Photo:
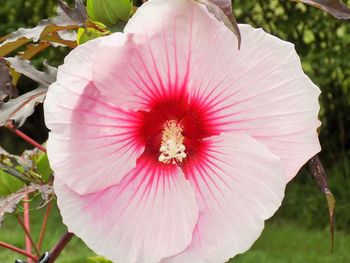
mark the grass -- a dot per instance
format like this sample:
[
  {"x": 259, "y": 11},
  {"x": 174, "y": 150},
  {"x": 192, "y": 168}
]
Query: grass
[
  {"x": 280, "y": 242},
  {"x": 11, "y": 232},
  {"x": 289, "y": 243}
]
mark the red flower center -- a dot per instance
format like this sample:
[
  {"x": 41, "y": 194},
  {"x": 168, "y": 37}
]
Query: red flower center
[{"x": 190, "y": 124}]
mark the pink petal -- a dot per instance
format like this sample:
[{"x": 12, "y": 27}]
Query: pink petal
[
  {"x": 85, "y": 125},
  {"x": 149, "y": 216},
  {"x": 239, "y": 184},
  {"x": 174, "y": 47},
  {"x": 260, "y": 90},
  {"x": 151, "y": 61}
]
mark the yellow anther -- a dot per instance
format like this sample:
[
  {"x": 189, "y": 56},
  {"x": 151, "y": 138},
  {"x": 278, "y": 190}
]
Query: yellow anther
[{"x": 172, "y": 148}]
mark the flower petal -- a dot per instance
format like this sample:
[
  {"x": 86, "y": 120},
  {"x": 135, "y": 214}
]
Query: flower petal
[
  {"x": 239, "y": 184},
  {"x": 149, "y": 216},
  {"x": 151, "y": 61},
  {"x": 175, "y": 47},
  {"x": 261, "y": 90},
  {"x": 84, "y": 125}
]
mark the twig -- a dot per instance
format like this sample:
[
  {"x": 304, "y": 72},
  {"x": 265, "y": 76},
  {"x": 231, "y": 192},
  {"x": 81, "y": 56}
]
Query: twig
[
  {"x": 56, "y": 251},
  {"x": 26, "y": 217},
  {"x": 37, "y": 252},
  {"x": 43, "y": 226},
  {"x": 18, "y": 250},
  {"x": 25, "y": 137}
]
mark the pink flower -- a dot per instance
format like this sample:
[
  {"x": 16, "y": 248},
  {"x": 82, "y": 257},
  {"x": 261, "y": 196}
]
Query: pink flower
[{"x": 171, "y": 145}]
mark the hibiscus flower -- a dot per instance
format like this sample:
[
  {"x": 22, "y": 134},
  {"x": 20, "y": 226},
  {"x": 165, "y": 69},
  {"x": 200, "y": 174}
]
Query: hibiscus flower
[{"x": 171, "y": 145}]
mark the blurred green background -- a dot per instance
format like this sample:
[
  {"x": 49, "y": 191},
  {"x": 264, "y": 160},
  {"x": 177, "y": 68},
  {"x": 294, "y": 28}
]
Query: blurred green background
[{"x": 298, "y": 233}]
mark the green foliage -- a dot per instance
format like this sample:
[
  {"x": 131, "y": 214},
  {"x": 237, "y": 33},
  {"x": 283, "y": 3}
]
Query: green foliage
[
  {"x": 43, "y": 167},
  {"x": 109, "y": 12},
  {"x": 279, "y": 243},
  {"x": 306, "y": 205},
  {"x": 334, "y": 7},
  {"x": 98, "y": 259},
  {"x": 290, "y": 243},
  {"x": 323, "y": 45},
  {"x": 24, "y": 13},
  {"x": 11, "y": 232},
  {"x": 9, "y": 184},
  {"x": 86, "y": 34}
]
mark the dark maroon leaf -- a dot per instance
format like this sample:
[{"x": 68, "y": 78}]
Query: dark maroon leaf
[
  {"x": 7, "y": 90},
  {"x": 19, "y": 109},
  {"x": 320, "y": 176},
  {"x": 26, "y": 68},
  {"x": 33, "y": 49},
  {"x": 222, "y": 10},
  {"x": 225, "y": 5},
  {"x": 9, "y": 203},
  {"x": 334, "y": 7},
  {"x": 77, "y": 14},
  {"x": 35, "y": 33}
]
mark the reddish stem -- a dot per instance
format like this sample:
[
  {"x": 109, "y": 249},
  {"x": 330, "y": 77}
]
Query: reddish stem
[
  {"x": 43, "y": 226},
  {"x": 37, "y": 252},
  {"x": 56, "y": 251},
  {"x": 25, "y": 137},
  {"x": 18, "y": 250},
  {"x": 26, "y": 217}
]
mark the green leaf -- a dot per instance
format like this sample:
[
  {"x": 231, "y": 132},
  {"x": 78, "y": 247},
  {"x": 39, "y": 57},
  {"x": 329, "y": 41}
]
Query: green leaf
[
  {"x": 43, "y": 167},
  {"x": 31, "y": 167},
  {"x": 9, "y": 184},
  {"x": 109, "y": 12},
  {"x": 14, "y": 165},
  {"x": 98, "y": 259},
  {"x": 86, "y": 34},
  {"x": 334, "y": 7},
  {"x": 331, "y": 207}
]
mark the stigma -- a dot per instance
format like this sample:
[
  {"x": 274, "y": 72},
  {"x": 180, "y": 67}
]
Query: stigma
[{"x": 172, "y": 149}]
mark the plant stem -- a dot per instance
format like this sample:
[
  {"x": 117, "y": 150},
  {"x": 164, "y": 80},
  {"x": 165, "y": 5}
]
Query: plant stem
[
  {"x": 26, "y": 217},
  {"x": 18, "y": 250},
  {"x": 25, "y": 137},
  {"x": 37, "y": 252},
  {"x": 43, "y": 226},
  {"x": 57, "y": 249}
]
